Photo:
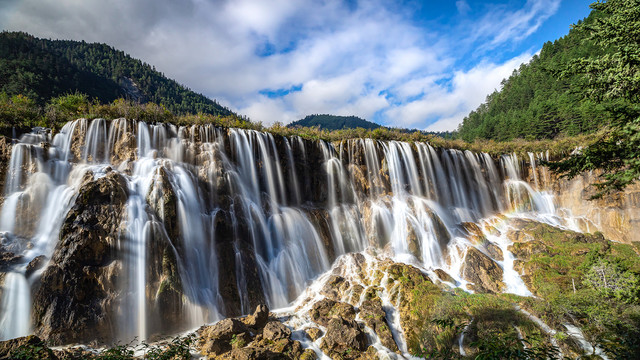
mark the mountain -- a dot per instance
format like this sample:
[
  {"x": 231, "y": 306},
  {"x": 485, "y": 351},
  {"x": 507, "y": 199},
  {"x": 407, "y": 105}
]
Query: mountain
[
  {"x": 334, "y": 122},
  {"x": 42, "y": 69},
  {"x": 540, "y": 100}
]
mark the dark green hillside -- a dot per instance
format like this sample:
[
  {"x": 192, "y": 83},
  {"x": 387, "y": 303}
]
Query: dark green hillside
[
  {"x": 42, "y": 69},
  {"x": 536, "y": 102},
  {"x": 334, "y": 122}
]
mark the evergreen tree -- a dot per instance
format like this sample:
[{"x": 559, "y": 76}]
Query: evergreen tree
[{"x": 612, "y": 79}]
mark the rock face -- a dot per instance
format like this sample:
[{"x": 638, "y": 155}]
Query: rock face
[
  {"x": 616, "y": 215},
  {"x": 5, "y": 156},
  {"x": 483, "y": 272},
  {"x": 75, "y": 298},
  {"x": 374, "y": 316}
]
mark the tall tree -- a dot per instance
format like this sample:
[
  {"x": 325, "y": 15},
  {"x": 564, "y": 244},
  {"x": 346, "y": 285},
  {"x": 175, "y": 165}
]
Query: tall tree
[{"x": 612, "y": 79}]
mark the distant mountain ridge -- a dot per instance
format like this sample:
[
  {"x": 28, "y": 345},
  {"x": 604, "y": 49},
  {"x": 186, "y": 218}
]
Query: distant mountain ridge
[
  {"x": 42, "y": 69},
  {"x": 334, "y": 122}
]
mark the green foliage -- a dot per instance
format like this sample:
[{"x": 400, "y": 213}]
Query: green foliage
[
  {"x": 334, "y": 122},
  {"x": 178, "y": 349},
  {"x": 446, "y": 337},
  {"x": 610, "y": 280},
  {"x": 611, "y": 78},
  {"x": 31, "y": 351},
  {"x": 118, "y": 352},
  {"x": 496, "y": 346}
]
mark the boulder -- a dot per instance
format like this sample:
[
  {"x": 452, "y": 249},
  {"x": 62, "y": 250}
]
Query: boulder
[
  {"x": 258, "y": 319},
  {"x": 275, "y": 330},
  {"x": 344, "y": 339},
  {"x": 326, "y": 309},
  {"x": 27, "y": 347},
  {"x": 314, "y": 333},
  {"x": 483, "y": 272},
  {"x": 221, "y": 337}
]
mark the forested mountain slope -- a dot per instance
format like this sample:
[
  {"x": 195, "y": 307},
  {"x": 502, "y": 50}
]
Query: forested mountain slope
[
  {"x": 42, "y": 69},
  {"x": 334, "y": 122},
  {"x": 539, "y": 101}
]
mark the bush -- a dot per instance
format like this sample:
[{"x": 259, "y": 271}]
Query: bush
[{"x": 610, "y": 280}]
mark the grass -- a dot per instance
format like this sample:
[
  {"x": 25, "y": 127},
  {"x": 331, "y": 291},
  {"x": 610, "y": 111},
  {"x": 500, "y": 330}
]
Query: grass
[{"x": 23, "y": 113}]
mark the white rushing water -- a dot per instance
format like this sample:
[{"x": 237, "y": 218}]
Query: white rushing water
[{"x": 284, "y": 208}]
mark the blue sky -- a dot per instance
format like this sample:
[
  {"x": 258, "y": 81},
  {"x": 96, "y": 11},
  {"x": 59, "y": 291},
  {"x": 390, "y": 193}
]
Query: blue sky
[{"x": 416, "y": 64}]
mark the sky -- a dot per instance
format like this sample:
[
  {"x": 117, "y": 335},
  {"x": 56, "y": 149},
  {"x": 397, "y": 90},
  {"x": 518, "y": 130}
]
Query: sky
[{"x": 413, "y": 64}]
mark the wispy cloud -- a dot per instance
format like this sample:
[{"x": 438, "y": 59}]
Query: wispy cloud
[
  {"x": 463, "y": 7},
  {"x": 280, "y": 60}
]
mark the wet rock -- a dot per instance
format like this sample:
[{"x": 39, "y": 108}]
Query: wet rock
[
  {"x": 220, "y": 337},
  {"x": 286, "y": 348},
  {"x": 324, "y": 310},
  {"x": 444, "y": 276},
  {"x": 8, "y": 260},
  {"x": 258, "y": 319},
  {"x": 125, "y": 147},
  {"x": 373, "y": 315},
  {"x": 483, "y": 272},
  {"x": 494, "y": 251},
  {"x": 249, "y": 353},
  {"x": 344, "y": 339},
  {"x": 308, "y": 354},
  {"x": 335, "y": 288},
  {"x": 314, "y": 333},
  {"x": 226, "y": 246},
  {"x": 27, "y": 347},
  {"x": 474, "y": 233},
  {"x": 370, "y": 354},
  {"x": 413, "y": 242},
  {"x": 36, "y": 264},
  {"x": 320, "y": 217},
  {"x": 275, "y": 330},
  {"x": 5, "y": 157},
  {"x": 76, "y": 296},
  {"x": 356, "y": 291},
  {"x": 162, "y": 199}
]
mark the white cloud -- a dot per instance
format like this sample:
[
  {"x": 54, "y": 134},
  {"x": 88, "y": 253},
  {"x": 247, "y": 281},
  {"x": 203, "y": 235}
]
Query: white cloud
[{"x": 362, "y": 60}]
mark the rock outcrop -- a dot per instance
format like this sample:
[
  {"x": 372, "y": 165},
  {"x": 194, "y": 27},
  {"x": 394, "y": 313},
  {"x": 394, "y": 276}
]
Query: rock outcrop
[
  {"x": 257, "y": 336},
  {"x": 483, "y": 272},
  {"x": 5, "y": 157},
  {"x": 28, "y": 347},
  {"x": 75, "y": 299}
]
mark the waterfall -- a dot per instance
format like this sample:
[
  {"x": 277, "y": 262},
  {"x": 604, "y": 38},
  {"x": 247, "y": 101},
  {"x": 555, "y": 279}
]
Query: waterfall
[{"x": 248, "y": 217}]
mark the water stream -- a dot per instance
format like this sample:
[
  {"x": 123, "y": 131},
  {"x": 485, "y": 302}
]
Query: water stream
[{"x": 275, "y": 210}]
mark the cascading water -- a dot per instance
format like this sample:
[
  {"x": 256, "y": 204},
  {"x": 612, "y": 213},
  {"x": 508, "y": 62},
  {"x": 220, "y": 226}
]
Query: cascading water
[{"x": 246, "y": 217}]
